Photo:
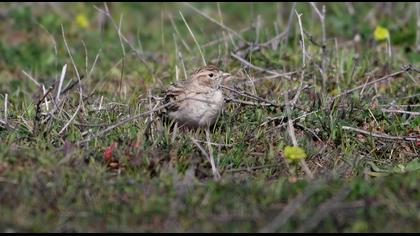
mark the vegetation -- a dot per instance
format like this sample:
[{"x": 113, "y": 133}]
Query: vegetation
[{"x": 346, "y": 97}]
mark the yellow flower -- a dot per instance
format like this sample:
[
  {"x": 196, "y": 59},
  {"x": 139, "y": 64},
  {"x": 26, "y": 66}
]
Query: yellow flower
[
  {"x": 381, "y": 33},
  {"x": 294, "y": 153},
  {"x": 82, "y": 21}
]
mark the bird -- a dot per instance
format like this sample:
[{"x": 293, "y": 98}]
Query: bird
[{"x": 197, "y": 101}]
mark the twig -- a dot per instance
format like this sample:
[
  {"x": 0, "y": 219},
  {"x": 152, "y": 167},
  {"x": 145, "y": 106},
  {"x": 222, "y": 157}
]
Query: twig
[
  {"x": 223, "y": 38},
  {"x": 403, "y": 105},
  {"x": 215, "y": 21},
  {"x": 71, "y": 119},
  {"x": 31, "y": 78},
  {"x": 123, "y": 51},
  {"x": 248, "y": 95},
  {"x": 312, "y": 40},
  {"x": 406, "y": 68},
  {"x": 254, "y": 90},
  {"x": 137, "y": 52},
  {"x": 38, "y": 108},
  {"x": 285, "y": 75},
  {"x": 322, "y": 19},
  {"x": 179, "y": 35},
  {"x": 285, "y": 33},
  {"x": 5, "y": 107},
  {"x": 51, "y": 37},
  {"x": 94, "y": 63},
  {"x": 216, "y": 173},
  {"x": 291, "y": 129},
  {"x": 302, "y": 39},
  {"x": 195, "y": 40},
  {"x": 80, "y": 105},
  {"x": 71, "y": 86},
  {"x": 313, "y": 133},
  {"x": 74, "y": 66},
  {"x": 251, "y": 48},
  {"x": 289, "y": 23},
  {"x": 214, "y": 144},
  {"x": 414, "y": 113},
  {"x": 86, "y": 57},
  {"x": 46, "y": 100},
  {"x": 301, "y": 87},
  {"x": 251, "y": 65},
  {"x": 44, "y": 96},
  {"x": 297, "y": 118},
  {"x": 247, "y": 102},
  {"x": 403, "y": 70},
  {"x": 122, "y": 122},
  {"x": 7, "y": 125},
  {"x": 324, "y": 40},
  {"x": 380, "y": 135},
  {"x": 252, "y": 168},
  {"x": 410, "y": 96},
  {"x": 60, "y": 84},
  {"x": 181, "y": 58},
  {"x": 292, "y": 135}
]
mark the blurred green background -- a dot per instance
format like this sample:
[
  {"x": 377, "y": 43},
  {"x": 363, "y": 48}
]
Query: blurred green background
[{"x": 31, "y": 40}]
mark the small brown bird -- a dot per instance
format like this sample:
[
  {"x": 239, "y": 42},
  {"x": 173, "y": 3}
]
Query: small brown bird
[{"x": 197, "y": 101}]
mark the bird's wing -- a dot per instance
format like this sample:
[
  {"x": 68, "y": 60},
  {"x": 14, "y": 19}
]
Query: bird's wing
[{"x": 174, "y": 93}]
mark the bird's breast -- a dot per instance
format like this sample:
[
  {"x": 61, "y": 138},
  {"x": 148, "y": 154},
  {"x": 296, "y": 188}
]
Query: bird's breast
[{"x": 200, "y": 109}]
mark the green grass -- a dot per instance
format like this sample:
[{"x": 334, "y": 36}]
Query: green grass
[{"x": 163, "y": 182}]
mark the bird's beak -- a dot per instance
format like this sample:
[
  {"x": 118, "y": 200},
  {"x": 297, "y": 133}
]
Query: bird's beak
[{"x": 226, "y": 75}]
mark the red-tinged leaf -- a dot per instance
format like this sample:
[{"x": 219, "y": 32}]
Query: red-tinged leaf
[{"x": 108, "y": 151}]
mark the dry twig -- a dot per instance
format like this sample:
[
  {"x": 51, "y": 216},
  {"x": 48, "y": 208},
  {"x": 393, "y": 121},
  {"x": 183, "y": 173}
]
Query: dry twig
[
  {"x": 413, "y": 113},
  {"x": 215, "y": 21},
  {"x": 380, "y": 135},
  {"x": 302, "y": 39},
  {"x": 136, "y": 51},
  {"x": 292, "y": 135},
  {"x": 405, "y": 69}
]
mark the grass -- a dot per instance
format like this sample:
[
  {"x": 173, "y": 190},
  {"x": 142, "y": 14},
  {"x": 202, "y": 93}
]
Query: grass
[{"x": 126, "y": 181}]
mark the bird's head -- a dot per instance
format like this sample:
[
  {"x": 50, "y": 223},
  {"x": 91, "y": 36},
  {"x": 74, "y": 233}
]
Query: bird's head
[{"x": 209, "y": 75}]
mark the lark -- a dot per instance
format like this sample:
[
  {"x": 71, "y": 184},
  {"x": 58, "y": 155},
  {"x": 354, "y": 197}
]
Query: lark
[{"x": 197, "y": 101}]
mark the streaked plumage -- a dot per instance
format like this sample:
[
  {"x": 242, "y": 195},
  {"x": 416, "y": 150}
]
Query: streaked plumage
[{"x": 197, "y": 101}]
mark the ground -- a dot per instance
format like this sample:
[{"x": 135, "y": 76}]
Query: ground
[{"x": 82, "y": 158}]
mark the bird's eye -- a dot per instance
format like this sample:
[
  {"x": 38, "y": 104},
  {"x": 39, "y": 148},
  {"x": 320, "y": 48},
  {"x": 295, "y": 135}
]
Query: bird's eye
[{"x": 211, "y": 74}]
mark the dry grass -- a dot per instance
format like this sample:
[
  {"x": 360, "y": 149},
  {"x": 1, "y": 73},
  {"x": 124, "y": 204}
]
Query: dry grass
[{"x": 83, "y": 149}]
